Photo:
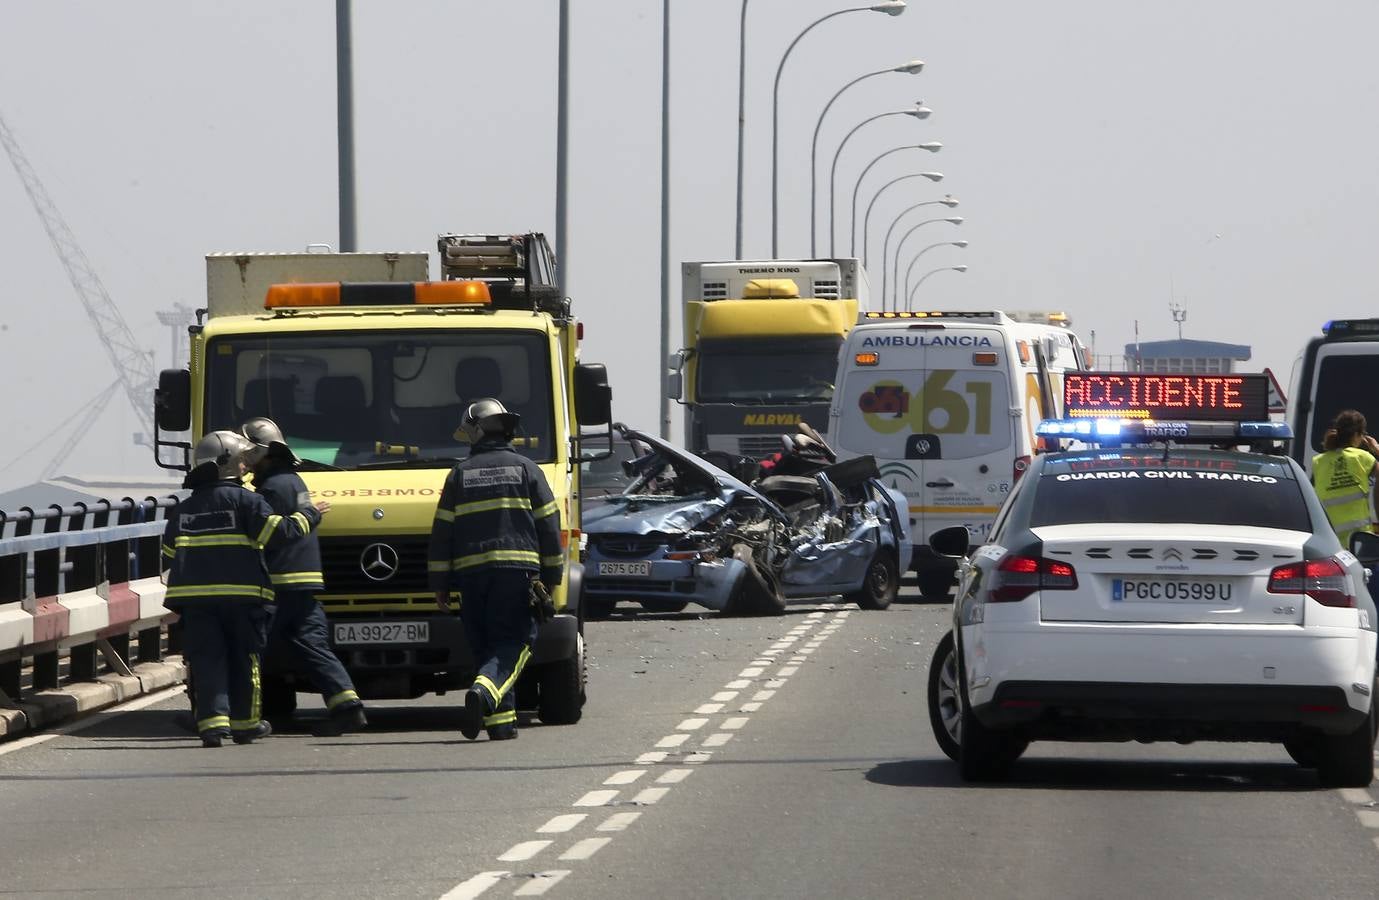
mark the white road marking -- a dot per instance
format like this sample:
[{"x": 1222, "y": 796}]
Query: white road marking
[
  {"x": 585, "y": 848},
  {"x": 762, "y": 662},
  {"x": 781, "y": 645},
  {"x": 1368, "y": 817},
  {"x": 596, "y": 798},
  {"x": 718, "y": 740},
  {"x": 734, "y": 723},
  {"x": 807, "y": 650},
  {"x": 724, "y": 696},
  {"x": 672, "y": 740},
  {"x": 750, "y": 672},
  {"x": 815, "y": 615},
  {"x": 650, "y": 758},
  {"x": 698, "y": 756},
  {"x": 618, "y": 821},
  {"x": 524, "y": 850},
  {"x": 562, "y": 824},
  {"x": 708, "y": 709},
  {"x": 750, "y": 707},
  {"x": 650, "y": 795},
  {"x": 1358, "y": 796},
  {"x": 763, "y": 695},
  {"x": 137, "y": 703},
  {"x": 775, "y": 683},
  {"x": 738, "y": 685},
  {"x": 541, "y": 882},
  {"x": 787, "y": 671},
  {"x": 674, "y": 776},
  {"x": 467, "y": 890},
  {"x": 842, "y": 615},
  {"x": 626, "y": 776},
  {"x": 692, "y": 724}
]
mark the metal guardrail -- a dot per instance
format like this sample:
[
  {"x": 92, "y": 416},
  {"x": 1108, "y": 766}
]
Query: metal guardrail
[{"x": 77, "y": 582}]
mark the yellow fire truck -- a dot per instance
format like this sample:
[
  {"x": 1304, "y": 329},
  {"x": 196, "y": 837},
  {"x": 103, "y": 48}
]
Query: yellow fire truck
[{"x": 366, "y": 365}]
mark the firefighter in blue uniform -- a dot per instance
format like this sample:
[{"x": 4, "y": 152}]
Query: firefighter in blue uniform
[
  {"x": 497, "y": 529},
  {"x": 298, "y": 630},
  {"x": 219, "y": 585}
]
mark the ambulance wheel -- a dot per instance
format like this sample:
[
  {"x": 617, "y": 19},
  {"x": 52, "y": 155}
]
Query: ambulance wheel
[
  {"x": 881, "y": 584},
  {"x": 562, "y": 689},
  {"x": 278, "y": 698}
]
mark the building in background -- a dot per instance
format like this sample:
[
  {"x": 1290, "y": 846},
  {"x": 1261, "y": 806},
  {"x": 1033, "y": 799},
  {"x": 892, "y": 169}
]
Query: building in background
[{"x": 1205, "y": 357}]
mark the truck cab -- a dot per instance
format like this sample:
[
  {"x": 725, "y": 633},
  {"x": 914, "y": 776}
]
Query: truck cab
[{"x": 367, "y": 367}]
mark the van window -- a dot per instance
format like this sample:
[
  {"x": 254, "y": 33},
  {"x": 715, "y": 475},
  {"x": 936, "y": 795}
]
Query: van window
[
  {"x": 967, "y": 410},
  {"x": 1345, "y": 382}
]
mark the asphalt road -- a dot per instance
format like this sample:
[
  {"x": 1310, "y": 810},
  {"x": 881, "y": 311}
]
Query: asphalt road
[{"x": 778, "y": 757}]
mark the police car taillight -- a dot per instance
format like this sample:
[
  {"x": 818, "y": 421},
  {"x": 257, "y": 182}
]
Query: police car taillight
[
  {"x": 1018, "y": 576},
  {"x": 1323, "y": 580}
]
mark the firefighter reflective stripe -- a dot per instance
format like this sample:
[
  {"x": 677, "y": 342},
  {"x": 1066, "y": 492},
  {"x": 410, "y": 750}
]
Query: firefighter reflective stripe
[
  {"x": 169, "y": 552},
  {"x": 516, "y": 670},
  {"x": 255, "y": 692},
  {"x": 187, "y": 541},
  {"x": 213, "y": 722},
  {"x": 302, "y": 522},
  {"x": 545, "y": 510},
  {"x": 444, "y": 515},
  {"x": 219, "y": 590},
  {"x": 489, "y": 687},
  {"x": 506, "y": 717},
  {"x": 498, "y": 556},
  {"x": 1340, "y": 499},
  {"x": 479, "y": 506},
  {"x": 342, "y": 697},
  {"x": 551, "y": 562},
  {"x": 270, "y": 524},
  {"x": 297, "y": 578},
  {"x": 433, "y": 566}
]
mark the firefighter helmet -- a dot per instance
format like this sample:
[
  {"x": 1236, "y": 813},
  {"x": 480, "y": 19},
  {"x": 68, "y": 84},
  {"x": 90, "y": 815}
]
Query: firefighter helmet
[
  {"x": 267, "y": 439},
  {"x": 489, "y": 418},
  {"x": 223, "y": 449}
]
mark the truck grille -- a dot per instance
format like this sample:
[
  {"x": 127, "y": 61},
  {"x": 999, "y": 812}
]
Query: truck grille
[
  {"x": 343, "y": 560},
  {"x": 758, "y": 446}
]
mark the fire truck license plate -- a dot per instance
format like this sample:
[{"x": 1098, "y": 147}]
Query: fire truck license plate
[{"x": 382, "y": 632}]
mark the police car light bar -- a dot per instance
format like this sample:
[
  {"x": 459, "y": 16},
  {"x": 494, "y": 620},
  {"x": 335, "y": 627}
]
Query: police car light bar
[
  {"x": 1347, "y": 327},
  {"x": 384, "y": 293},
  {"x": 1136, "y": 431}
]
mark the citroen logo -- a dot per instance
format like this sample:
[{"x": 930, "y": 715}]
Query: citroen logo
[
  {"x": 378, "y": 562},
  {"x": 1173, "y": 553}
]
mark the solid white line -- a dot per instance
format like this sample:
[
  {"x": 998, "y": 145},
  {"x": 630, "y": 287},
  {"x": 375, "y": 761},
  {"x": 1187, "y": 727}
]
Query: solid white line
[
  {"x": 672, "y": 740},
  {"x": 692, "y": 724},
  {"x": 585, "y": 848},
  {"x": 650, "y": 795},
  {"x": 91, "y": 719},
  {"x": 1358, "y": 796},
  {"x": 750, "y": 672},
  {"x": 524, "y": 850},
  {"x": 562, "y": 824},
  {"x": 763, "y": 695},
  {"x": 626, "y": 776},
  {"x": 541, "y": 882},
  {"x": 596, "y": 798},
  {"x": 650, "y": 758},
  {"x": 787, "y": 671},
  {"x": 698, "y": 756},
  {"x": 734, "y": 723},
  {"x": 674, "y": 776},
  {"x": 750, "y": 707},
  {"x": 618, "y": 821},
  {"x": 467, "y": 890},
  {"x": 724, "y": 696},
  {"x": 738, "y": 685},
  {"x": 718, "y": 740},
  {"x": 708, "y": 709}
]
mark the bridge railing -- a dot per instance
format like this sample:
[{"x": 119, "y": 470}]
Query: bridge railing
[{"x": 78, "y": 583}]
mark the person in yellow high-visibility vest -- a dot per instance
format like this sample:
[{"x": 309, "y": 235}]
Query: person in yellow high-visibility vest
[{"x": 1344, "y": 475}]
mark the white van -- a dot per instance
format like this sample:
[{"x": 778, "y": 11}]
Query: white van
[
  {"x": 948, "y": 403},
  {"x": 1337, "y": 370}
]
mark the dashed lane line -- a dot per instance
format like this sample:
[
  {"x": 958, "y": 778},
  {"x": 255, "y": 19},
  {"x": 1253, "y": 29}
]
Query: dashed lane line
[
  {"x": 692, "y": 724},
  {"x": 524, "y": 851},
  {"x": 596, "y": 798},
  {"x": 473, "y": 887},
  {"x": 708, "y": 709},
  {"x": 562, "y": 824},
  {"x": 674, "y": 776},
  {"x": 585, "y": 848},
  {"x": 618, "y": 821},
  {"x": 541, "y": 882},
  {"x": 627, "y": 776},
  {"x": 649, "y": 796}
]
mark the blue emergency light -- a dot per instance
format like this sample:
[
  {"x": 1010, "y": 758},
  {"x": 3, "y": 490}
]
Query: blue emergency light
[{"x": 1136, "y": 431}]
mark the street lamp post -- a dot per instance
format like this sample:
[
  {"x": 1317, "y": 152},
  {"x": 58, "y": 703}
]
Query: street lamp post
[
  {"x": 889, "y": 7},
  {"x": 913, "y": 67},
  {"x": 885, "y": 247},
  {"x": 919, "y": 111},
  {"x": 959, "y": 244},
  {"x": 922, "y": 279},
  {"x": 741, "y": 119},
  {"x": 948, "y": 200},
  {"x": 932, "y": 176}
]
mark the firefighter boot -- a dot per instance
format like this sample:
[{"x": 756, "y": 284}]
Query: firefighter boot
[
  {"x": 214, "y": 737},
  {"x": 249, "y": 735},
  {"x": 472, "y": 716},
  {"x": 341, "y": 720}
]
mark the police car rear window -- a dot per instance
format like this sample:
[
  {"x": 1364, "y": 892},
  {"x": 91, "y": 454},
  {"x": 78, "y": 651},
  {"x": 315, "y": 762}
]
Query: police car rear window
[{"x": 1192, "y": 489}]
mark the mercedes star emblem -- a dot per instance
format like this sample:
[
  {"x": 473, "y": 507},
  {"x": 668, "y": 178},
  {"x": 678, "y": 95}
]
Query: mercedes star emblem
[{"x": 379, "y": 562}]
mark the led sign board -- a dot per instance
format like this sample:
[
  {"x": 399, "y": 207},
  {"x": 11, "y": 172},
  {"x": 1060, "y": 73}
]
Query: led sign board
[{"x": 1138, "y": 395}]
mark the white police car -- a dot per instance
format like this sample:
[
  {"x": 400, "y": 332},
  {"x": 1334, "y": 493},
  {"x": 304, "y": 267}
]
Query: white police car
[{"x": 1158, "y": 591}]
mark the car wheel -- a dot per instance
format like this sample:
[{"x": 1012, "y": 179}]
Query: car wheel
[
  {"x": 1347, "y": 760},
  {"x": 597, "y": 608},
  {"x": 1306, "y": 752},
  {"x": 881, "y": 584},
  {"x": 758, "y": 593},
  {"x": 984, "y": 754},
  {"x": 945, "y": 706},
  {"x": 561, "y": 696},
  {"x": 935, "y": 586}
]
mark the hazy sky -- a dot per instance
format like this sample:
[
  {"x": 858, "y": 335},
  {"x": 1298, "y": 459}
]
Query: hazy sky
[{"x": 1109, "y": 157}]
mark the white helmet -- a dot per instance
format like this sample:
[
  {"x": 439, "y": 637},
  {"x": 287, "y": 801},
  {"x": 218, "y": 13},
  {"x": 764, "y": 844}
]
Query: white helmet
[
  {"x": 488, "y": 418},
  {"x": 266, "y": 437},
  {"x": 224, "y": 449}
]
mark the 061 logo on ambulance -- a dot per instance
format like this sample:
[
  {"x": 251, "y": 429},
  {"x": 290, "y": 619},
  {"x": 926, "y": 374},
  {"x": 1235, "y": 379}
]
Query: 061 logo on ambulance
[{"x": 934, "y": 408}]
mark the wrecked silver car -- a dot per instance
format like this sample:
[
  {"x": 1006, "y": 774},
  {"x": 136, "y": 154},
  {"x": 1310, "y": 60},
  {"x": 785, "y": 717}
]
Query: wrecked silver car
[{"x": 686, "y": 531}]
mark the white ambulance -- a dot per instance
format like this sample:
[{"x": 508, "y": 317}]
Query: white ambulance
[{"x": 948, "y": 403}]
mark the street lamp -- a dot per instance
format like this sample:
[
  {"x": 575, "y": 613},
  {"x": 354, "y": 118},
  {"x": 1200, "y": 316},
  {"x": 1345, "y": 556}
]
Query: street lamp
[
  {"x": 926, "y": 275},
  {"x": 919, "y": 111},
  {"x": 890, "y": 8},
  {"x": 932, "y": 147},
  {"x": 885, "y": 246},
  {"x": 913, "y": 67},
  {"x": 948, "y": 200},
  {"x": 959, "y": 244}
]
